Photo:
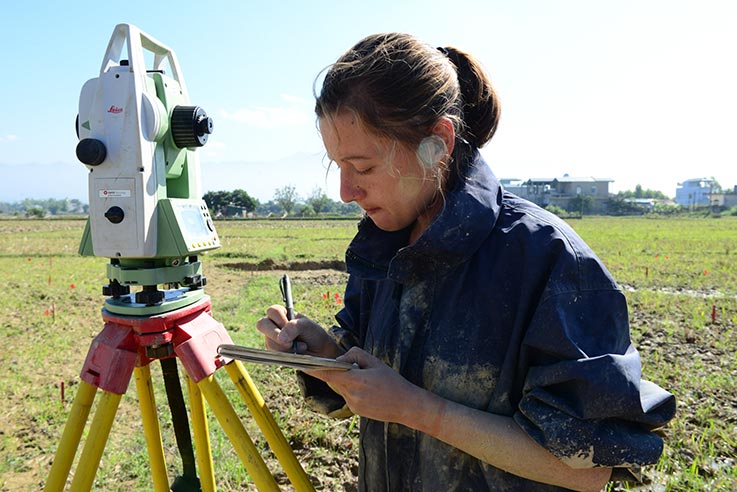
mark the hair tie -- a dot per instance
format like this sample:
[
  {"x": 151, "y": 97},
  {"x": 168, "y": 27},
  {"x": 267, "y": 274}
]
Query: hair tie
[{"x": 442, "y": 50}]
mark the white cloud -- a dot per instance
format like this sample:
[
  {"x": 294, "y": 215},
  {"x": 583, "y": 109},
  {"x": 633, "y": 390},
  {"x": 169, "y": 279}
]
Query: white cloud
[
  {"x": 213, "y": 149},
  {"x": 9, "y": 138},
  {"x": 215, "y": 144},
  {"x": 293, "y": 99},
  {"x": 268, "y": 117}
]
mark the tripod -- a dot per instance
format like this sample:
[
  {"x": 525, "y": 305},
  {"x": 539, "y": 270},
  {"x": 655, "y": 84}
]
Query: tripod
[{"x": 126, "y": 346}]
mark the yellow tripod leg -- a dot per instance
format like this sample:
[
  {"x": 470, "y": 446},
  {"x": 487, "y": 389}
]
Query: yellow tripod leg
[
  {"x": 237, "y": 435},
  {"x": 201, "y": 437},
  {"x": 95, "y": 443},
  {"x": 70, "y": 438},
  {"x": 151, "y": 429},
  {"x": 267, "y": 424}
]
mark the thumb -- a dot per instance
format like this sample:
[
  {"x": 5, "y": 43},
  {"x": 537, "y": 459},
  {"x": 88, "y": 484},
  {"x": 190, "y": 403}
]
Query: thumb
[{"x": 359, "y": 357}]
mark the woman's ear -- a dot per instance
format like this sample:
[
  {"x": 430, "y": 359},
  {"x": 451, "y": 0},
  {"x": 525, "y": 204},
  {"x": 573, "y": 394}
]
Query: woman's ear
[
  {"x": 437, "y": 147},
  {"x": 431, "y": 151},
  {"x": 443, "y": 128}
]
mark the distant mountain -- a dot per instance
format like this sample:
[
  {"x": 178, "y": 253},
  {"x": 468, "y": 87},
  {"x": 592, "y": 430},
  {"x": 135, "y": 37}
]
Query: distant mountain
[
  {"x": 51, "y": 180},
  {"x": 260, "y": 179}
]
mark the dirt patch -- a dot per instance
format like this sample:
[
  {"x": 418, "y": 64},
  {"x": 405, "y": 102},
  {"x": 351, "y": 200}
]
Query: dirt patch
[
  {"x": 292, "y": 266},
  {"x": 692, "y": 361}
]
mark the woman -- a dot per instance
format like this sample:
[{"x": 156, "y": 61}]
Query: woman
[{"x": 492, "y": 346}]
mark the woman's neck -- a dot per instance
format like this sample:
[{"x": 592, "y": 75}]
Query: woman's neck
[{"x": 425, "y": 218}]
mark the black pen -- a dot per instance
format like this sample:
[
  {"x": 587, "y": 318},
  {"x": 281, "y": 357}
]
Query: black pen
[{"x": 286, "y": 291}]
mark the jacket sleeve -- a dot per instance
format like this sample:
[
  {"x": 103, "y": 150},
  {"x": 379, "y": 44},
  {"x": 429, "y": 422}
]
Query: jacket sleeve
[
  {"x": 583, "y": 397},
  {"x": 318, "y": 395}
]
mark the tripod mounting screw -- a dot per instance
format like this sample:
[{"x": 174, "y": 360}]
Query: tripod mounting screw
[
  {"x": 115, "y": 289},
  {"x": 159, "y": 351},
  {"x": 149, "y": 297}
]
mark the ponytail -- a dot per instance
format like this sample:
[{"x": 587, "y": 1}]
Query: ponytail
[{"x": 480, "y": 105}]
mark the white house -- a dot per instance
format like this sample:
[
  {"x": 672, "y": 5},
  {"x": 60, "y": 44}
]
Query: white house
[{"x": 695, "y": 192}]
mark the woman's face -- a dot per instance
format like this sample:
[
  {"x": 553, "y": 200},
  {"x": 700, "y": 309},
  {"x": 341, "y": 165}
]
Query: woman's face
[{"x": 381, "y": 175}]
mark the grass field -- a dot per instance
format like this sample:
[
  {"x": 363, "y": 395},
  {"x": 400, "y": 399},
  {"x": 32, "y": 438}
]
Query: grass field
[{"x": 679, "y": 275}]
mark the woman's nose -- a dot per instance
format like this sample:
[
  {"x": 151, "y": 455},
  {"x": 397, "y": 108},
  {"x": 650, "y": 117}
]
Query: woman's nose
[{"x": 350, "y": 191}]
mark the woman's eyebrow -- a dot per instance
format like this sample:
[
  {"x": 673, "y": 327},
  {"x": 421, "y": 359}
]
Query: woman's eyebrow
[{"x": 351, "y": 157}]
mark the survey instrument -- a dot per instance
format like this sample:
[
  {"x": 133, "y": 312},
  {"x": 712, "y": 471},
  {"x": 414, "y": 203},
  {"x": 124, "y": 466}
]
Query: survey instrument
[{"x": 138, "y": 135}]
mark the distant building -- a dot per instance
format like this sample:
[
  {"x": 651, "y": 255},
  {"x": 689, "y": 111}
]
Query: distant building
[
  {"x": 234, "y": 211},
  {"x": 724, "y": 200},
  {"x": 561, "y": 191},
  {"x": 695, "y": 192},
  {"x": 646, "y": 204}
]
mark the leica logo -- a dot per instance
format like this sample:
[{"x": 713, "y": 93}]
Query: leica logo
[{"x": 114, "y": 109}]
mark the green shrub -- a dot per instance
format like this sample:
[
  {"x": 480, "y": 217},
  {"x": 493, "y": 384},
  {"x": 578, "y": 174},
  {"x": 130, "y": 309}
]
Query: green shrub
[{"x": 556, "y": 210}]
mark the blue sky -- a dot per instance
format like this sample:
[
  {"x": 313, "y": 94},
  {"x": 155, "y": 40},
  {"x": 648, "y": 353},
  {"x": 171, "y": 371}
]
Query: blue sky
[{"x": 635, "y": 91}]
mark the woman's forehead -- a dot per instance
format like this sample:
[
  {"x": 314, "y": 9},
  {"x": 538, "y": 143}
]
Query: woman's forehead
[{"x": 344, "y": 135}]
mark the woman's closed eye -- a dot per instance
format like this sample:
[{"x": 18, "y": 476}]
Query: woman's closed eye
[{"x": 361, "y": 169}]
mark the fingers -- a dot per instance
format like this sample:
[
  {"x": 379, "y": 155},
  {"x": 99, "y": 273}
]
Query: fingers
[
  {"x": 281, "y": 334},
  {"x": 272, "y": 326},
  {"x": 277, "y": 313},
  {"x": 360, "y": 357}
]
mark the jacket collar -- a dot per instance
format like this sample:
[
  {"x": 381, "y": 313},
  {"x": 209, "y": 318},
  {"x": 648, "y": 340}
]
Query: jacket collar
[{"x": 470, "y": 211}]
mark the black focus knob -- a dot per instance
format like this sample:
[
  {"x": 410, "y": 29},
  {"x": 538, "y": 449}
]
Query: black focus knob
[
  {"x": 115, "y": 215},
  {"x": 91, "y": 151},
  {"x": 190, "y": 126}
]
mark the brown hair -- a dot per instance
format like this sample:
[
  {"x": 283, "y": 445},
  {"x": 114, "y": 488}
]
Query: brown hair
[{"x": 399, "y": 87}]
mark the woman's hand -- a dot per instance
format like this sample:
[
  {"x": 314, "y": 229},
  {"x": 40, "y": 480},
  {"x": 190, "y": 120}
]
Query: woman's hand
[
  {"x": 280, "y": 334},
  {"x": 374, "y": 390}
]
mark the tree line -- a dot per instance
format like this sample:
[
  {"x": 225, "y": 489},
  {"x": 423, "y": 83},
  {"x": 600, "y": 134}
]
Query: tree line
[
  {"x": 40, "y": 208},
  {"x": 285, "y": 202},
  {"x": 639, "y": 192}
]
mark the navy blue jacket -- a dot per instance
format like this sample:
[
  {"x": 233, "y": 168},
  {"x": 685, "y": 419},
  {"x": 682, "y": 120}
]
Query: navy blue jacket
[{"x": 500, "y": 306}]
